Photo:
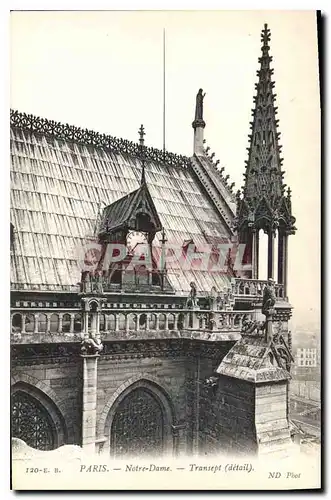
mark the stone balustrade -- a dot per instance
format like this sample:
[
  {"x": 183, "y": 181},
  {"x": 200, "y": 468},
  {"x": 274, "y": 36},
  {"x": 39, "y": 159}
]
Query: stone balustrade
[
  {"x": 111, "y": 321},
  {"x": 251, "y": 288}
]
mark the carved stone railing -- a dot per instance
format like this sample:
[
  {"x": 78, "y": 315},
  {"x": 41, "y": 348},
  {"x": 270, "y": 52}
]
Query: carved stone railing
[
  {"x": 104, "y": 286},
  {"x": 253, "y": 289},
  {"x": 41, "y": 326}
]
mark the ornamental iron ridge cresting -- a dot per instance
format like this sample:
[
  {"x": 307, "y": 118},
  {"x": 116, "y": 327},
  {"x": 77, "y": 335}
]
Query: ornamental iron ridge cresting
[{"x": 87, "y": 137}]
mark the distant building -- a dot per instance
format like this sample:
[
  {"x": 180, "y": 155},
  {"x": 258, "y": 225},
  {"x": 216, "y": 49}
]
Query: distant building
[{"x": 306, "y": 356}]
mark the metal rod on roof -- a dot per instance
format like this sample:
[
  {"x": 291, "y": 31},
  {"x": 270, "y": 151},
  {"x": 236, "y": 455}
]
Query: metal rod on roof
[{"x": 164, "y": 89}]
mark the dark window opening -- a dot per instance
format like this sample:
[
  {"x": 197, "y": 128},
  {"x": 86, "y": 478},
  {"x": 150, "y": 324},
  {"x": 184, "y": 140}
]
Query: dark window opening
[{"x": 17, "y": 323}]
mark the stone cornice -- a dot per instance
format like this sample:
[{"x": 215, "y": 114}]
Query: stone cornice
[{"x": 125, "y": 350}]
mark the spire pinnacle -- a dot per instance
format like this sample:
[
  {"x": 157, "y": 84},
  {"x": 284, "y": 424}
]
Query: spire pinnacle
[
  {"x": 263, "y": 174},
  {"x": 141, "y": 133}
]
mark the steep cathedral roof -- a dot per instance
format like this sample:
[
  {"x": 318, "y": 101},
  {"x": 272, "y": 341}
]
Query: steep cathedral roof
[{"x": 61, "y": 178}]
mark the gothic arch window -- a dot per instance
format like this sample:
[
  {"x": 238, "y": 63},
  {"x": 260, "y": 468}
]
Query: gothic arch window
[
  {"x": 180, "y": 323},
  {"x": 162, "y": 321},
  {"x": 29, "y": 323},
  {"x": 42, "y": 323},
  {"x": 152, "y": 322},
  {"x": 121, "y": 322},
  {"x": 139, "y": 418},
  {"x": 54, "y": 323},
  {"x": 16, "y": 324},
  {"x": 102, "y": 324},
  {"x": 31, "y": 422},
  {"x": 141, "y": 275},
  {"x": 111, "y": 322},
  {"x": 171, "y": 321},
  {"x": 138, "y": 425},
  {"x": 66, "y": 320},
  {"x": 142, "y": 321},
  {"x": 132, "y": 322},
  {"x": 77, "y": 323}
]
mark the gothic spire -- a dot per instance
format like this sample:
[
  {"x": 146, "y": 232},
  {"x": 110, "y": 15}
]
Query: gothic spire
[{"x": 264, "y": 189}]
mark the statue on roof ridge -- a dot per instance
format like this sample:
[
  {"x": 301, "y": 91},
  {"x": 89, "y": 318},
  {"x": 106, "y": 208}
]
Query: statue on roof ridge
[{"x": 199, "y": 105}]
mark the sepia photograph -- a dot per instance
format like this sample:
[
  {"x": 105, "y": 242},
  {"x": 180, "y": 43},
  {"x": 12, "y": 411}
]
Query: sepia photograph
[{"x": 165, "y": 215}]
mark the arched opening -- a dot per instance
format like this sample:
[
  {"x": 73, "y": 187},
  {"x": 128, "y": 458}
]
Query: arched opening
[
  {"x": 121, "y": 321},
  {"x": 141, "y": 275},
  {"x": 111, "y": 322},
  {"x": 139, "y": 423},
  {"x": 16, "y": 323},
  {"x": 66, "y": 323},
  {"x": 162, "y": 321},
  {"x": 142, "y": 321},
  {"x": 42, "y": 323},
  {"x": 35, "y": 419},
  {"x": 171, "y": 321},
  {"x": 152, "y": 322},
  {"x": 54, "y": 323},
  {"x": 29, "y": 323},
  {"x": 77, "y": 323},
  {"x": 102, "y": 324},
  {"x": 180, "y": 324},
  {"x": 132, "y": 322}
]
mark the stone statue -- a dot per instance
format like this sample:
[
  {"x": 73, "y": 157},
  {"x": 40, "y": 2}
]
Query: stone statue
[
  {"x": 192, "y": 298},
  {"x": 269, "y": 297},
  {"x": 91, "y": 345},
  {"x": 213, "y": 298},
  {"x": 199, "y": 105}
]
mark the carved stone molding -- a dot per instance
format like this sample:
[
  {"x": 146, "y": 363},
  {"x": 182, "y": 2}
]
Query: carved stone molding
[{"x": 121, "y": 350}]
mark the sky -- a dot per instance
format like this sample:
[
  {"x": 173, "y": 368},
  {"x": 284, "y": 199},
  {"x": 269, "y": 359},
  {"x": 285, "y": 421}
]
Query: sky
[{"x": 104, "y": 71}]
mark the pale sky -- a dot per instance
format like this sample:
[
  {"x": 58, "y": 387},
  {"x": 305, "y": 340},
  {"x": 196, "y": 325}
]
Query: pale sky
[{"x": 103, "y": 71}]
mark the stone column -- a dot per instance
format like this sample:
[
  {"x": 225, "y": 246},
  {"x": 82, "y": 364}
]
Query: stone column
[
  {"x": 176, "y": 321},
  {"x": 60, "y": 322},
  {"x": 72, "y": 323},
  {"x": 179, "y": 434},
  {"x": 48, "y": 322},
  {"x": 254, "y": 256},
  {"x": 198, "y": 126},
  {"x": 89, "y": 414},
  {"x": 36, "y": 318},
  {"x": 166, "y": 324},
  {"x": 23, "y": 322},
  {"x": 126, "y": 322},
  {"x": 257, "y": 245},
  {"x": 157, "y": 324},
  {"x": 285, "y": 251},
  {"x": 147, "y": 321},
  {"x": 271, "y": 255},
  {"x": 85, "y": 326}
]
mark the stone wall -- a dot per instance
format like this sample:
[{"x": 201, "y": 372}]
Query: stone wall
[
  {"x": 271, "y": 417},
  {"x": 115, "y": 376},
  {"x": 227, "y": 418},
  {"x": 62, "y": 384}
]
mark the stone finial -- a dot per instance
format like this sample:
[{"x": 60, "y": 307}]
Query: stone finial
[{"x": 141, "y": 132}]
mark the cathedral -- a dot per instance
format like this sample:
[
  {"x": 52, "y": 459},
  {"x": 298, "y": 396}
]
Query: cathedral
[{"x": 139, "y": 323}]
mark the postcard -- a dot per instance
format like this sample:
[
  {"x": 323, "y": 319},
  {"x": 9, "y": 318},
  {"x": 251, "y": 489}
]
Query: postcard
[{"x": 165, "y": 250}]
